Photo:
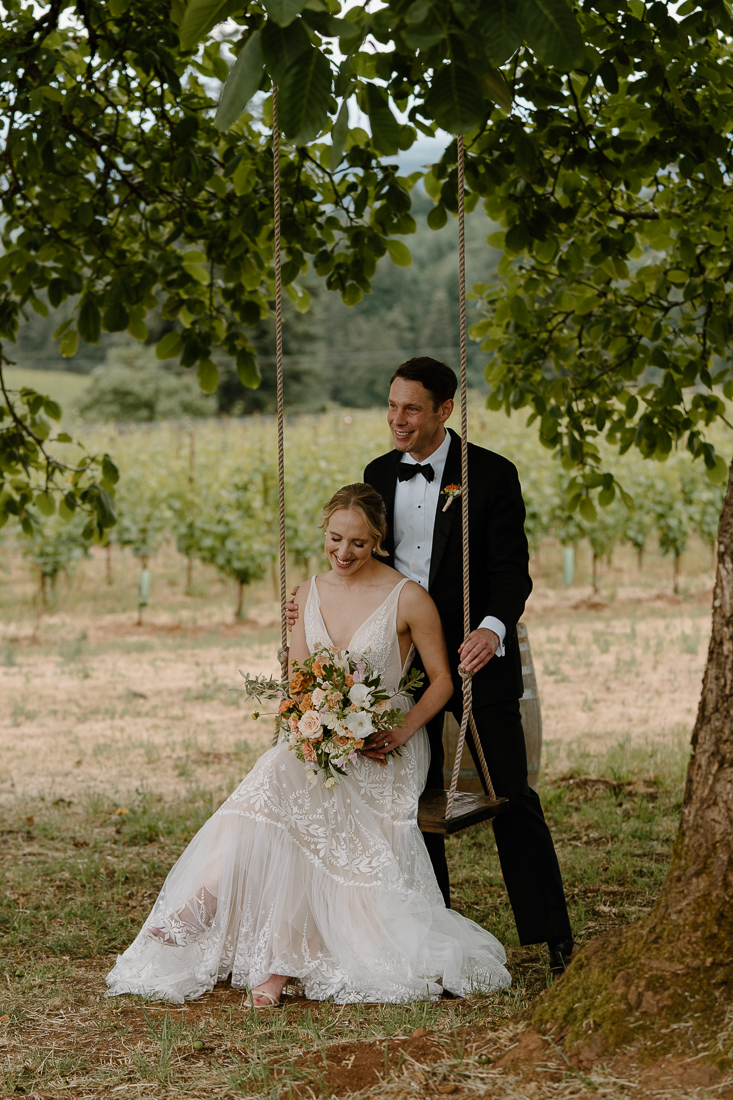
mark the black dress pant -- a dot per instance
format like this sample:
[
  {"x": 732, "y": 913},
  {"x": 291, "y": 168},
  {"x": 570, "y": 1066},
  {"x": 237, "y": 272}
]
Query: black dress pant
[{"x": 523, "y": 840}]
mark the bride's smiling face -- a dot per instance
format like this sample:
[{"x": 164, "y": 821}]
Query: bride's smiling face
[{"x": 348, "y": 542}]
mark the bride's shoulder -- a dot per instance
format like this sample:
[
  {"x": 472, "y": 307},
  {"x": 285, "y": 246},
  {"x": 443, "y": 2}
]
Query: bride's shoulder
[{"x": 301, "y": 595}]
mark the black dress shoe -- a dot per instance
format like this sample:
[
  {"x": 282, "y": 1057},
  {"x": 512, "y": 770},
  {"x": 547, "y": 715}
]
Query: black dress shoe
[{"x": 560, "y": 956}]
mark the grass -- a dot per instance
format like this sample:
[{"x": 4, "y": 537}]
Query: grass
[
  {"x": 77, "y": 880},
  {"x": 63, "y": 386}
]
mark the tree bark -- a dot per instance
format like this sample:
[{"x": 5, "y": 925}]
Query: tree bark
[
  {"x": 676, "y": 574},
  {"x": 678, "y": 963}
]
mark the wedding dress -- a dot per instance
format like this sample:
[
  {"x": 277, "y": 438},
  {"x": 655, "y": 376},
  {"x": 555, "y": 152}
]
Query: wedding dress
[{"x": 332, "y": 887}]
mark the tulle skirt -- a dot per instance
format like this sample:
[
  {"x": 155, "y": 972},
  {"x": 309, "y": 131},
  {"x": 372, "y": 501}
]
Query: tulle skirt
[{"x": 331, "y": 887}]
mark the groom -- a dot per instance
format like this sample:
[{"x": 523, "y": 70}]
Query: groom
[{"x": 424, "y": 543}]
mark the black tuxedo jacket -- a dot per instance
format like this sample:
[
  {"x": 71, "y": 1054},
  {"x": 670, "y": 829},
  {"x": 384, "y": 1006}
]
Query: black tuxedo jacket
[{"x": 498, "y": 559}]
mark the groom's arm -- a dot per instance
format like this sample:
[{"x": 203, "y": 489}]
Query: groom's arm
[{"x": 502, "y": 568}]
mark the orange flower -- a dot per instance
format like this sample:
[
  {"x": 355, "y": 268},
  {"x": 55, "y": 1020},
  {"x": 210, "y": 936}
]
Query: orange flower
[
  {"x": 286, "y": 705},
  {"x": 309, "y": 752},
  {"x": 306, "y": 703},
  {"x": 349, "y": 680},
  {"x": 317, "y": 669},
  {"x": 300, "y": 682}
]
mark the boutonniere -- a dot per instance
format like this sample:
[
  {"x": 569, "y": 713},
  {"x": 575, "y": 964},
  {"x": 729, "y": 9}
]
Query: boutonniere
[{"x": 451, "y": 492}]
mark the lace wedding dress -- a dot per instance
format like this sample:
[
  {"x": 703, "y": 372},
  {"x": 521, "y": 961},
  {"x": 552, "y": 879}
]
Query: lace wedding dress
[{"x": 333, "y": 887}]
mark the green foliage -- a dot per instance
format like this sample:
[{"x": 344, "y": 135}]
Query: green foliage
[
  {"x": 54, "y": 545},
  {"x": 35, "y": 481},
  {"x": 132, "y": 386}
]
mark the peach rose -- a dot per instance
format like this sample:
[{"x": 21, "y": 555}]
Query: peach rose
[
  {"x": 309, "y": 752},
  {"x": 310, "y": 724}
]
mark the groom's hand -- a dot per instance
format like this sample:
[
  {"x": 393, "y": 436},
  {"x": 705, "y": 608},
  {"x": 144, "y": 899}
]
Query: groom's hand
[
  {"x": 479, "y": 648},
  {"x": 291, "y": 609}
]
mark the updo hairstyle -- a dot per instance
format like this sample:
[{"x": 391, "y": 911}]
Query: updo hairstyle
[{"x": 370, "y": 506}]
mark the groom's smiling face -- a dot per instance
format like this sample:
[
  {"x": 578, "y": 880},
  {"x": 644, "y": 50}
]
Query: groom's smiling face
[{"x": 417, "y": 426}]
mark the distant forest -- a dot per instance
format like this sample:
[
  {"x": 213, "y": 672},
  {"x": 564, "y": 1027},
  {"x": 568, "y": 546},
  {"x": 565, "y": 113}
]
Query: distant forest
[{"x": 334, "y": 354}]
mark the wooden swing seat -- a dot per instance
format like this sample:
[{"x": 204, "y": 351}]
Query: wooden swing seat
[{"x": 468, "y": 809}]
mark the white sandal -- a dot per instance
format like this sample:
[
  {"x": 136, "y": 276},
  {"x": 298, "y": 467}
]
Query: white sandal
[{"x": 274, "y": 1002}]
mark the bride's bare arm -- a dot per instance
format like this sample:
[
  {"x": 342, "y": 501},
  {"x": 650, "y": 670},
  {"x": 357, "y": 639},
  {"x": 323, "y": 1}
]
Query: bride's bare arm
[
  {"x": 420, "y": 614},
  {"x": 298, "y": 644}
]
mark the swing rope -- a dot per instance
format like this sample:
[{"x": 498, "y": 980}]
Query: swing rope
[
  {"x": 282, "y": 653},
  {"x": 467, "y": 715},
  {"x": 467, "y": 719}
]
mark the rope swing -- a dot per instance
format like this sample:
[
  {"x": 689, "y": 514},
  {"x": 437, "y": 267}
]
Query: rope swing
[{"x": 439, "y": 811}]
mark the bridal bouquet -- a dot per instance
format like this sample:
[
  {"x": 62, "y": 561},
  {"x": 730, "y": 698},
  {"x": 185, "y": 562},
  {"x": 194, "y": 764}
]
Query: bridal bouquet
[{"x": 332, "y": 704}]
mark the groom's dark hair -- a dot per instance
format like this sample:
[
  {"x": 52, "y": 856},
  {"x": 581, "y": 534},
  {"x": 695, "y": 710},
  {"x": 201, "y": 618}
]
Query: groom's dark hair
[{"x": 437, "y": 378}]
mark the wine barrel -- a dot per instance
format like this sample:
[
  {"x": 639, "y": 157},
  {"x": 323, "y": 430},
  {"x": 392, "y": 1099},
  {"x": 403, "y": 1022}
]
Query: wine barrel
[
  {"x": 530, "y": 707},
  {"x": 468, "y": 778}
]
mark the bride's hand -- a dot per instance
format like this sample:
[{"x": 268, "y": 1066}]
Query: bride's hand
[
  {"x": 378, "y": 745},
  {"x": 291, "y": 609}
]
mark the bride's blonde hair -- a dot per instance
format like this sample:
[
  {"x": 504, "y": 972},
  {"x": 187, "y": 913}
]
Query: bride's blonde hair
[{"x": 368, "y": 503}]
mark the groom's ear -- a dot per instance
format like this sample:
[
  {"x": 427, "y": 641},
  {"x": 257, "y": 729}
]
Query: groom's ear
[{"x": 446, "y": 409}]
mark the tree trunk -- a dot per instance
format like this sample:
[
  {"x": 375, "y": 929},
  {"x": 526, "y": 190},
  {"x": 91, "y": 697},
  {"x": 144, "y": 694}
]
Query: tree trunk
[
  {"x": 596, "y": 559},
  {"x": 240, "y": 601},
  {"x": 189, "y": 574},
  {"x": 676, "y": 574},
  {"x": 640, "y": 557},
  {"x": 676, "y": 965},
  {"x": 108, "y": 563}
]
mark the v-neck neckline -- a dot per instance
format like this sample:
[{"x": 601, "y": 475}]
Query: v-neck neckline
[{"x": 361, "y": 625}]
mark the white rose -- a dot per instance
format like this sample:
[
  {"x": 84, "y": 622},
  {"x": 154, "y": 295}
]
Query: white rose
[
  {"x": 381, "y": 706},
  {"x": 310, "y": 723},
  {"x": 359, "y": 723},
  {"x": 360, "y": 695},
  {"x": 318, "y": 695}
]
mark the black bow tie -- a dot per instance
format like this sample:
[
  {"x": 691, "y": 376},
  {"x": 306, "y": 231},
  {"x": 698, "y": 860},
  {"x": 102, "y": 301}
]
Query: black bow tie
[{"x": 406, "y": 471}]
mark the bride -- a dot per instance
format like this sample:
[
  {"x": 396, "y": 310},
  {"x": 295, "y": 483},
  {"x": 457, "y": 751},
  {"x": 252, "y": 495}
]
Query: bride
[{"x": 329, "y": 888}]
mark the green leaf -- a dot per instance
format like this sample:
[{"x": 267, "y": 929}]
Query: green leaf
[
  {"x": 497, "y": 88},
  {"x": 283, "y": 11},
  {"x": 115, "y": 318},
  {"x": 90, "y": 322},
  {"x": 519, "y": 310},
  {"x": 52, "y": 408},
  {"x": 45, "y": 504},
  {"x": 248, "y": 371},
  {"x": 243, "y": 81},
  {"x": 587, "y": 510},
  {"x": 197, "y": 272},
  {"x": 69, "y": 343},
  {"x": 500, "y": 29},
  {"x": 304, "y": 97},
  {"x": 282, "y": 46},
  {"x": 207, "y": 373},
  {"x": 437, "y": 217},
  {"x": 338, "y": 137},
  {"x": 136, "y": 327},
  {"x": 200, "y": 17},
  {"x": 385, "y": 127},
  {"x": 552, "y": 31},
  {"x": 399, "y": 253},
  {"x": 169, "y": 346},
  {"x": 718, "y": 474},
  {"x": 299, "y": 296},
  {"x": 456, "y": 100}
]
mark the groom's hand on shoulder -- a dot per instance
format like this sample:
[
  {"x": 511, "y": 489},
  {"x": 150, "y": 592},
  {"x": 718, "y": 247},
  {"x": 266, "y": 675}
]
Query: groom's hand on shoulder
[
  {"x": 291, "y": 609},
  {"x": 479, "y": 648}
]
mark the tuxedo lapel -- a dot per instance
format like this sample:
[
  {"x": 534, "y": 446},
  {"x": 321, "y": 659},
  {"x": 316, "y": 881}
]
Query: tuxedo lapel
[{"x": 444, "y": 520}]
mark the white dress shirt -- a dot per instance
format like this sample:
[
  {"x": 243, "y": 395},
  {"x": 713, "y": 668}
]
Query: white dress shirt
[{"x": 415, "y": 506}]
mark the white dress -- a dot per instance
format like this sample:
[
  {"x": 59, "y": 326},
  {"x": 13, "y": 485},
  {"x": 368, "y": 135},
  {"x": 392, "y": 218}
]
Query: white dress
[{"x": 332, "y": 887}]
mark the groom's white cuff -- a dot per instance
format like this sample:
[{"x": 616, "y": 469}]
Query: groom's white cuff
[{"x": 492, "y": 623}]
